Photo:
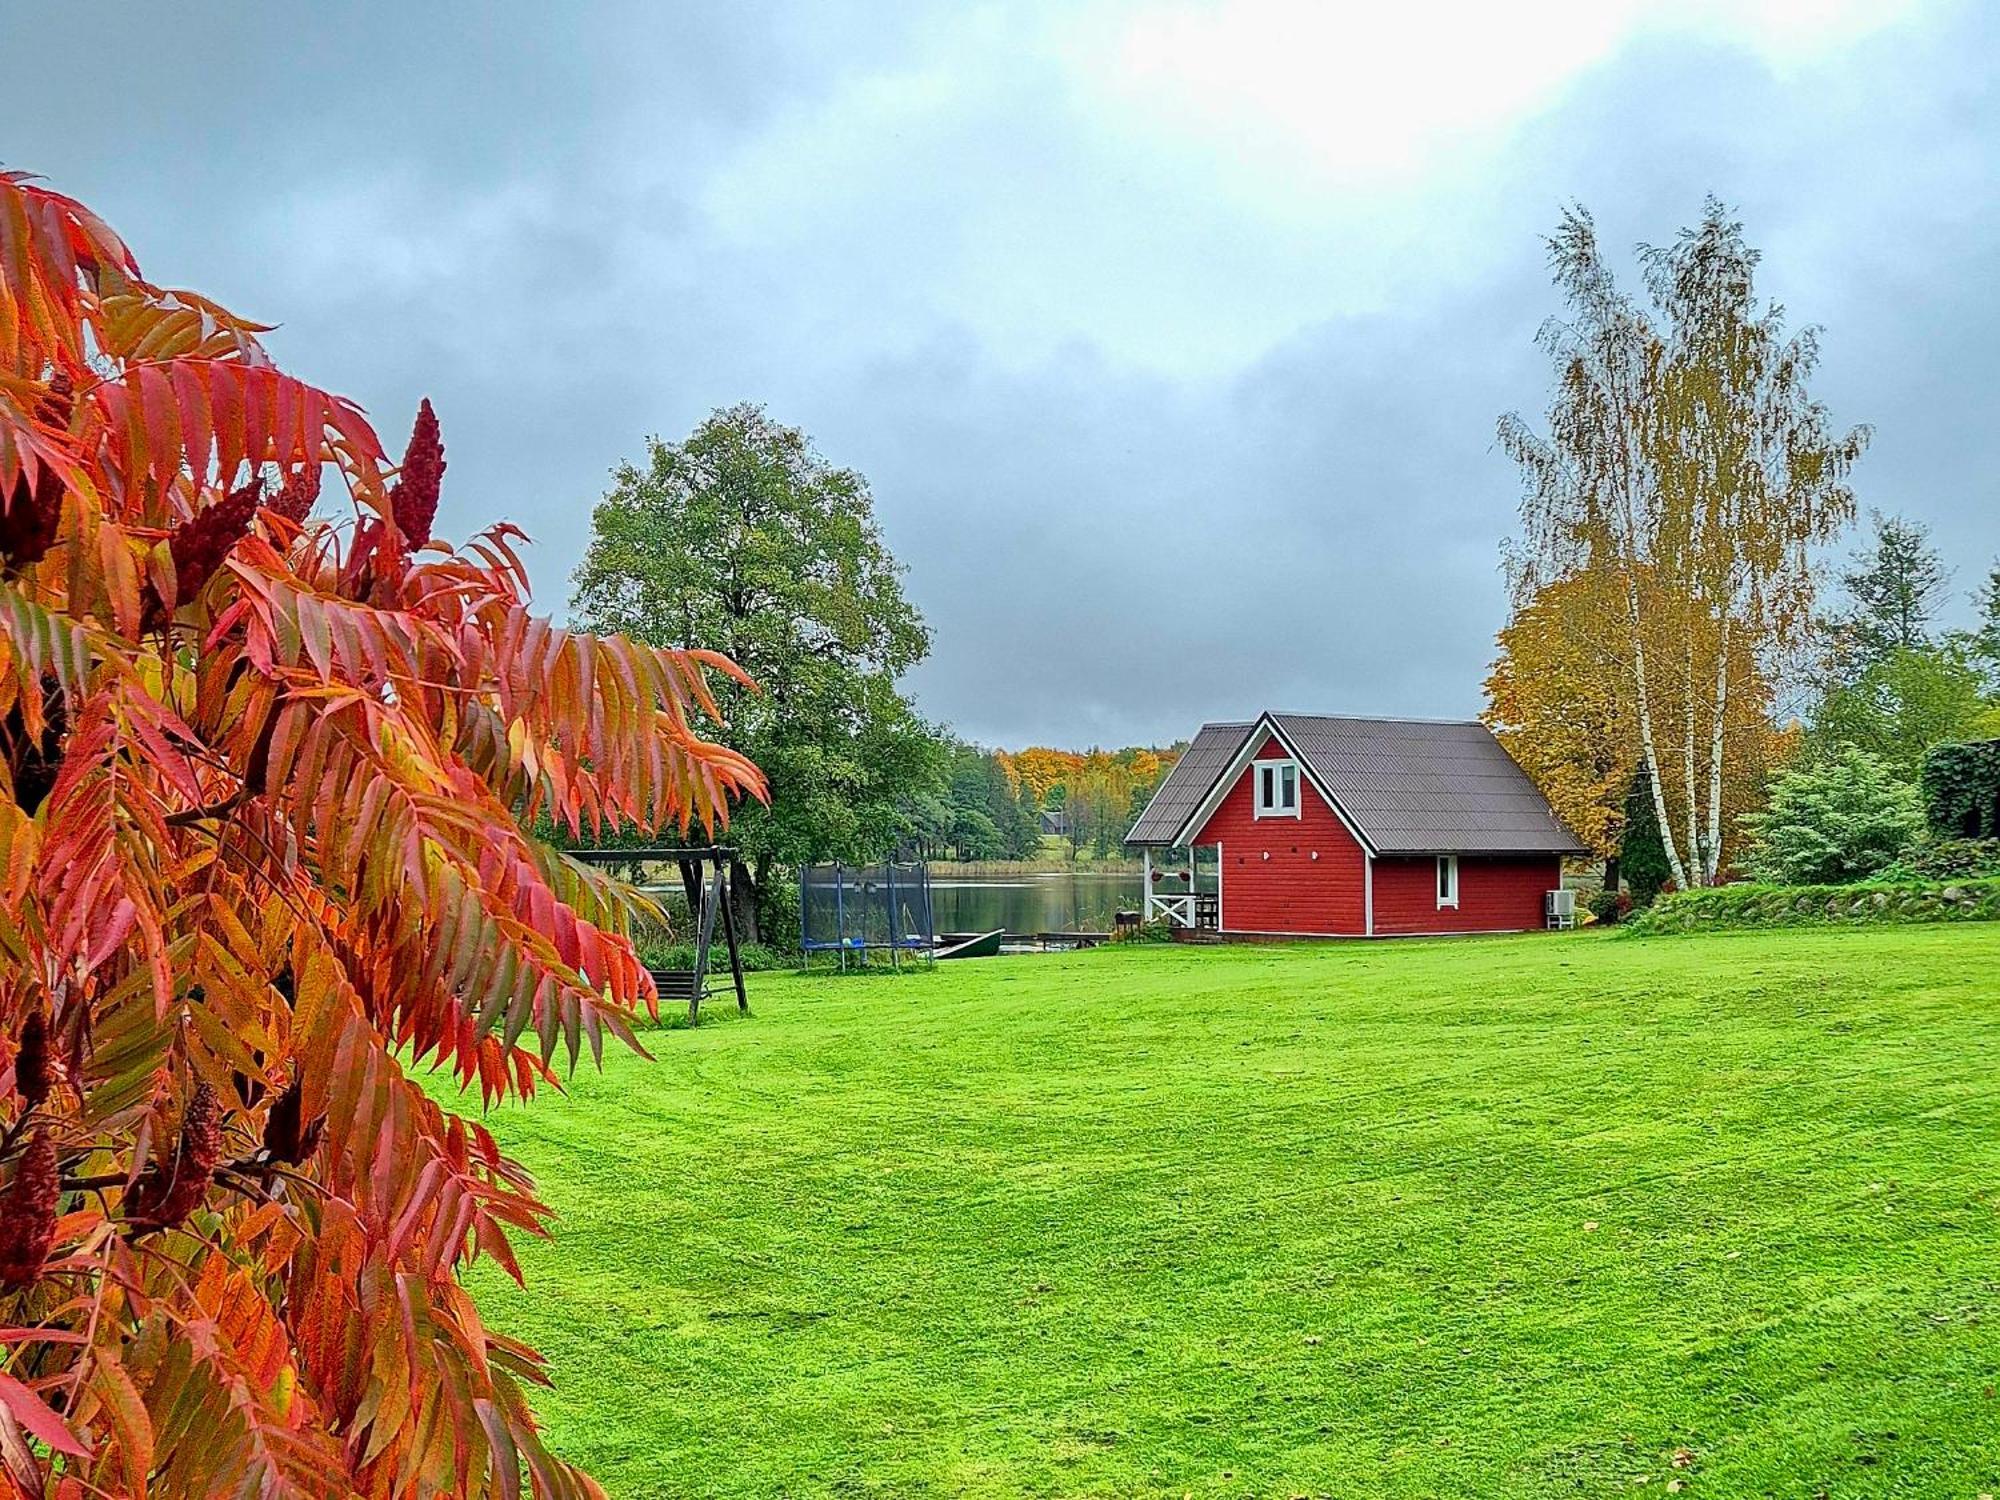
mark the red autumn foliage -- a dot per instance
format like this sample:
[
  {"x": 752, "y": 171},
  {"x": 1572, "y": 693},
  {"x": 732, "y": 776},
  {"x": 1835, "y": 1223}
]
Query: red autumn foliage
[
  {"x": 167, "y": 1192},
  {"x": 413, "y": 501},
  {"x": 297, "y": 495},
  {"x": 34, "y": 504},
  {"x": 288, "y": 1136},
  {"x": 265, "y": 851},
  {"x": 28, "y": 1212},
  {"x": 201, "y": 543}
]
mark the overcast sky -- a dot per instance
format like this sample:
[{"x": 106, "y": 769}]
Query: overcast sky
[{"x": 1171, "y": 337}]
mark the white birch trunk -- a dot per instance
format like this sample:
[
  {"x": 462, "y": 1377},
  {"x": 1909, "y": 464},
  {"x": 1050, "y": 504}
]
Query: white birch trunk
[
  {"x": 1713, "y": 854},
  {"x": 1694, "y": 853}
]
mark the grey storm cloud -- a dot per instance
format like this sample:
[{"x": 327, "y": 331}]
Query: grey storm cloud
[{"x": 1158, "y": 439}]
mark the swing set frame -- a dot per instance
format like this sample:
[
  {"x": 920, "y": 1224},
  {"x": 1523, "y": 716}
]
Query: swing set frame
[{"x": 691, "y": 985}]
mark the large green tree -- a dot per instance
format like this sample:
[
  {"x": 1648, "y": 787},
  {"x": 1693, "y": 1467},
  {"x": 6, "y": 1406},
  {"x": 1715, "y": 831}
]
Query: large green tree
[
  {"x": 743, "y": 537},
  {"x": 1896, "y": 585},
  {"x": 1893, "y": 686},
  {"x": 1901, "y": 705},
  {"x": 1982, "y": 642},
  {"x": 980, "y": 784}
]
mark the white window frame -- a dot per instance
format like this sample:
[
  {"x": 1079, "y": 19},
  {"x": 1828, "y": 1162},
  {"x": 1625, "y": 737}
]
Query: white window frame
[
  {"x": 1447, "y": 881},
  {"x": 1277, "y": 765}
]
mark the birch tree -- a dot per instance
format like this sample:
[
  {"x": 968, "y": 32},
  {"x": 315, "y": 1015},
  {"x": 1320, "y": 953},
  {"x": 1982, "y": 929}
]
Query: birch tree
[{"x": 1687, "y": 468}]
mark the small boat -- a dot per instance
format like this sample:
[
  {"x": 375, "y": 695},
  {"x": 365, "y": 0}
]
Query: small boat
[{"x": 980, "y": 945}]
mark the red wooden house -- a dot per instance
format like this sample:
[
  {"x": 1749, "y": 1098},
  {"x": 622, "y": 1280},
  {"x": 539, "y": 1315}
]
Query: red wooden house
[{"x": 1339, "y": 827}]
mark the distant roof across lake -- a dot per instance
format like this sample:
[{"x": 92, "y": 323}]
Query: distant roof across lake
[{"x": 1411, "y": 786}]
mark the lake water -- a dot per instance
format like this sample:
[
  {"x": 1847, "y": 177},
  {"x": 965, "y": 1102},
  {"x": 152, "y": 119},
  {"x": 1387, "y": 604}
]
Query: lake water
[
  {"x": 1055, "y": 901},
  {"x": 1060, "y": 901}
]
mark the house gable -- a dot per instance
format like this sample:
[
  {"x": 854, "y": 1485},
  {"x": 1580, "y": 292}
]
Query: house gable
[
  {"x": 1303, "y": 875},
  {"x": 1267, "y": 741}
]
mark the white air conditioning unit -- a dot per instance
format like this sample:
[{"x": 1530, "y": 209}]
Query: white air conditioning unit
[{"x": 1560, "y": 908}]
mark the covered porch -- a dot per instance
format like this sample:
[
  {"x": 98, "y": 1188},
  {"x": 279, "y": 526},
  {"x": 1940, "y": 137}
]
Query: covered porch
[{"x": 1182, "y": 884}]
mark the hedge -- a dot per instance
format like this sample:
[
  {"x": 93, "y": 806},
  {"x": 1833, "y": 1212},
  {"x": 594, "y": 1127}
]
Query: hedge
[
  {"x": 1727, "y": 906},
  {"x": 1961, "y": 787}
]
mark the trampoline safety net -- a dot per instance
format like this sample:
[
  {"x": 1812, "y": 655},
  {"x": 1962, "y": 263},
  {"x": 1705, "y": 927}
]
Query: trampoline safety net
[{"x": 858, "y": 908}]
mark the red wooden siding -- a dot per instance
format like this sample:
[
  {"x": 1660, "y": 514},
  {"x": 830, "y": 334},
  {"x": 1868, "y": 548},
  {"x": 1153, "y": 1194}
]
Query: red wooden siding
[
  {"x": 1495, "y": 893},
  {"x": 1291, "y": 892}
]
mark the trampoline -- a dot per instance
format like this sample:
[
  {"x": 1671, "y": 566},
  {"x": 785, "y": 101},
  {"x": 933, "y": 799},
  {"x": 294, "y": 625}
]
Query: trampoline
[{"x": 855, "y": 911}]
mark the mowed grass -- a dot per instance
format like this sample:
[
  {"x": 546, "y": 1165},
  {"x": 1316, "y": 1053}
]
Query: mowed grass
[{"x": 1517, "y": 1216}]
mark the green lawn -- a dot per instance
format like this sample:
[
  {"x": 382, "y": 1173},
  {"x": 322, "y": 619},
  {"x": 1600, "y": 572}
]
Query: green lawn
[{"x": 1517, "y": 1216}]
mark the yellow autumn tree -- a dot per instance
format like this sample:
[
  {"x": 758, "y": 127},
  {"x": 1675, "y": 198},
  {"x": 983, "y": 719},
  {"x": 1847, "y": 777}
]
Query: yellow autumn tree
[
  {"x": 1560, "y": 698},
  {"x": 1556, "y": 699},
  {"x": 1042, "y": 769}
]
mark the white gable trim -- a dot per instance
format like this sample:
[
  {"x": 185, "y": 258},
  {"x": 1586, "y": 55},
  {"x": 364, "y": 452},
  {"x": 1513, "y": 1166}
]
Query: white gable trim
[{"x": 1240, "y": 762}]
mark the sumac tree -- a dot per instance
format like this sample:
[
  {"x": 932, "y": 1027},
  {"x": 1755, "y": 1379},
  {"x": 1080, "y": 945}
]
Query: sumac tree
[{"x": 264, "y": 778}]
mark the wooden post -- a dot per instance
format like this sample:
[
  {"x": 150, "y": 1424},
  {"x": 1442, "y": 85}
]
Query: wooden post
[
  {"x": 716, "y": 897},
  {"x": 729, "y": 937}
]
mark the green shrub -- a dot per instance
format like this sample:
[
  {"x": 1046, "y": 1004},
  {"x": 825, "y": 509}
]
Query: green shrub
[
  {"x": 1946, "y": 859},
  {"x": 1609, "y": 907},
  {"x": 1961, "y": 787},
  {"x": 1851, "y": 905},
  {"x": 1833, "y": 821}
]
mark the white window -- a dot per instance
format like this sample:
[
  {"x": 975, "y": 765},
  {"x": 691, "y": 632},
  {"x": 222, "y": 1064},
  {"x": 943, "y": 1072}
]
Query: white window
[
  {"x": 1277, "y": 788},
  {"x": 1447, "y": 880}
]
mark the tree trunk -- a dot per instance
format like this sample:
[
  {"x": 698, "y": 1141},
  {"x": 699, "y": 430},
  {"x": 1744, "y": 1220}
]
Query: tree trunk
[
  {"x": 1712, "y": 856},
  {"x": 1694, "y": 856},
  {"x": 743, "y": 888}
]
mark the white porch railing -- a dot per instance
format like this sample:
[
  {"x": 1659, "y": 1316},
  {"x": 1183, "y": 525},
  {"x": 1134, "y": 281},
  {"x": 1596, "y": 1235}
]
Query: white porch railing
[{"x": 1179, "y": 907}]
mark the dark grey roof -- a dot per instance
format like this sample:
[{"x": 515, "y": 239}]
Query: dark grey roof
[
  {"x": 1412, "y": 786},
  {"x": 1188, "y": 782}
]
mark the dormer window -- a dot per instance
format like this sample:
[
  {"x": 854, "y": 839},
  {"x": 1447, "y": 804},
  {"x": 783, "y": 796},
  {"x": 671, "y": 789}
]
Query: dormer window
[{"x": 1277, "y": 788}]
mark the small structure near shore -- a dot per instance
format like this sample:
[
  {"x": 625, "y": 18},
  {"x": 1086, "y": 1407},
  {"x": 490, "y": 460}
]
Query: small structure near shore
[{"x": 1351, "y": 827}]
